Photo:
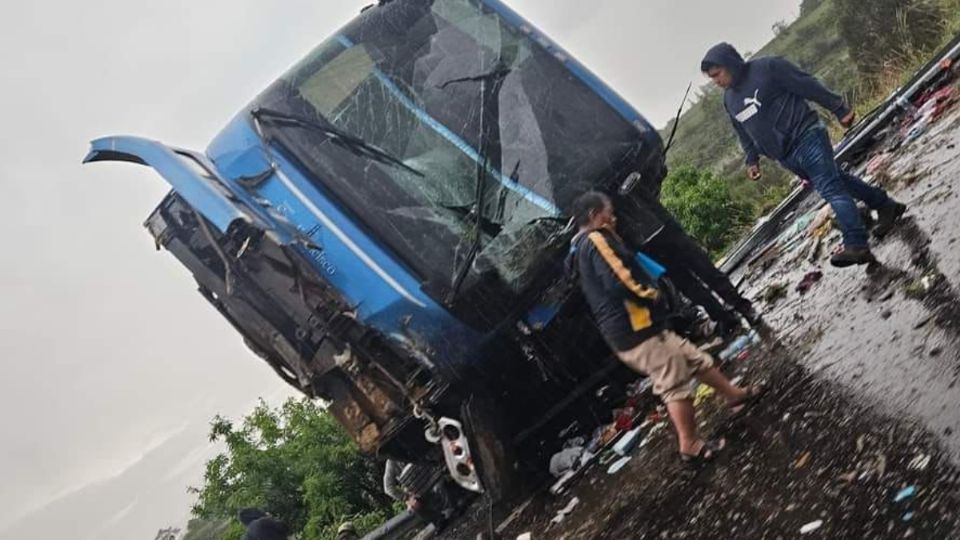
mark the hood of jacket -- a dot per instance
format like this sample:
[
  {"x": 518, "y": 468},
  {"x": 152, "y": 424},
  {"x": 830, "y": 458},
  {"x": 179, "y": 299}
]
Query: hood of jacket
[{"x": 723, "y": 54}]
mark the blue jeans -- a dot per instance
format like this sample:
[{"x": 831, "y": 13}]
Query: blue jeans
[{"x": 812, "y": 158}]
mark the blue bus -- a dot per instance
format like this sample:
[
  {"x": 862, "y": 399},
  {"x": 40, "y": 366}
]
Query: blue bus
[{"x": 385, "y": 226}]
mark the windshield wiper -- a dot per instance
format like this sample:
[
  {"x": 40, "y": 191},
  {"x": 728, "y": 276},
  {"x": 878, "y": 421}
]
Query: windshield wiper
[
  {"x": 341, "y": 138},
  {"x": 490, "y": 85}
]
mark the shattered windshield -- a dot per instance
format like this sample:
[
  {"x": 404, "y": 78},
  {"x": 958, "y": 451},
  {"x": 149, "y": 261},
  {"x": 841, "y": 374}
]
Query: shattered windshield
[{"x": 478, "y": 109}]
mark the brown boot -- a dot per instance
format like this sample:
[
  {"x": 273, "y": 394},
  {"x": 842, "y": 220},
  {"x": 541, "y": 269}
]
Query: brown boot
[{"x": 852, "y": 256}]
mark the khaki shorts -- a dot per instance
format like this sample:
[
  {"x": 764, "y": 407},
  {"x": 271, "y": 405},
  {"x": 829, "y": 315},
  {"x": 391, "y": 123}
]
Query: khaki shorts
[{"x": 670, "y": 361}]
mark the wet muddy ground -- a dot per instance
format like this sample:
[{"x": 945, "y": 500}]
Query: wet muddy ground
[{"x": 863, "y": 400}]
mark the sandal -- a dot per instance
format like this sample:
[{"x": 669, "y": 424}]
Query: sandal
[
  {"x": 754, "y": 392},
  {"x": 708, "y": 452}
]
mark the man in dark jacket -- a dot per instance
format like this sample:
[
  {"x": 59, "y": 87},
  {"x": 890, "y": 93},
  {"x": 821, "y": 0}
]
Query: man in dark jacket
[
  {"x": 262, "y": 526},
  {"x": 650, "y": 227},
  {"x": 766, "y": 100},
  {"x": 630, "y": 314}
]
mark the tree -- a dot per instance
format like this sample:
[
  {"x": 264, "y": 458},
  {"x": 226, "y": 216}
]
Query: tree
[
  {"x": 702, "y": 202},
  {"x": 296, "y": 463},
  {"x": 888, "y": 34}
]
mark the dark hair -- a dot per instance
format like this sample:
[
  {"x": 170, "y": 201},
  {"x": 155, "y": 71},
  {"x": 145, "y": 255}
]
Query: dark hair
[
  {"x": 587, "y": 204},
  {"x": 706, "y": 66}
]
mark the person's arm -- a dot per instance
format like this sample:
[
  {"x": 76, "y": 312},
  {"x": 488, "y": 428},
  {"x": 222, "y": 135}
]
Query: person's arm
[
  {"x": 750, "y": 151},
  {"x": 391, "y": 486},
  {"x": 797, "y": 81},
  {"x": 614, "y": 274}
]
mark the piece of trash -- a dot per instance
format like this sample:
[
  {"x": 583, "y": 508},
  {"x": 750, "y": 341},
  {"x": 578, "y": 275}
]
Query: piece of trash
[
  {"x": 525, "y": 536},
  {"x": 657, "y": 428},
  {"x": 920, "y": 462},
  {"x": 738, "y": 345},
  {"x": 905, "y": 493},
  {"x": 774, "y": 293},
  {"x": 821, "y": 218},
  {"x": 703, "y": 393},
  {"x": 627, "y": 442},
  {"x": 565, "y": 460},
  {"x": 658, "y": 415},
  {"x": 802, "y": 460},
  {"x": 560, "y": 486},
  {"x": 623, "y": 418},
  {"x": 565, "y": 511},
  {"x": 619, "y": 464},
  {"x": 808, "y": 281},
  {"x": 908, "y": 516},
  {"x": 848, "y": 477},
  {"x": 861, "y": 441},
  {"x": 639, "y": 386},
  {"x": 812, "y": 526}
]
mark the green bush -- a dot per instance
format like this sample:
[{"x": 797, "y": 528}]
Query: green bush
[
  {"x": 703, "y": 203},
  {"x": 296, "y": 463}
]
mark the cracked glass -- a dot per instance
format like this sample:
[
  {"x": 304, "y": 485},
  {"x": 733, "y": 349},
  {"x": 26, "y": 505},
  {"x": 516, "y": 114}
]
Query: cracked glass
[{"x": 450, "y": 88}]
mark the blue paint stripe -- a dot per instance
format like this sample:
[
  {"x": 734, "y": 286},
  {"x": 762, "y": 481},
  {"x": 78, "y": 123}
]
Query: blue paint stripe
[{"x": 445, "y": 132}]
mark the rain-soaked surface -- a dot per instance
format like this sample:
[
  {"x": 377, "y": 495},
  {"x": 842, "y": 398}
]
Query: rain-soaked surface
[{"x": 858, "y": 435}]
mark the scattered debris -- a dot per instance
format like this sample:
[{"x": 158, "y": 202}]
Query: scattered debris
[
  {"x": 905, "y": 493},
  {"x": 565, "y": 460},
  {"x": 565, "y": 511},
  {"x": 525, "y": 536},
  {"x": 619, "y": 464},
  {"x": 774, "y": 293},
  {"x": 822, "y": 222},
  {"x": 812, "y": 526},
  {"x": 802, "y": 460},
  {"x": 627, "y": 442},
  {"x": 738, "y": 345},
  {"x": 809, "y": 279},
  {"x": 703, "y": 393},
  {"x": 920, "y": 462}
]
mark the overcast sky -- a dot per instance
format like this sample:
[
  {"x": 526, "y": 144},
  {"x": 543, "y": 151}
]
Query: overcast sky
[{"x": 112, "y": 363}]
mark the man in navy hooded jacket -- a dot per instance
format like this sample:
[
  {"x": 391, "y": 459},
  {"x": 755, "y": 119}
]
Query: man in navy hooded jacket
[{"x": 767, "y": 99}]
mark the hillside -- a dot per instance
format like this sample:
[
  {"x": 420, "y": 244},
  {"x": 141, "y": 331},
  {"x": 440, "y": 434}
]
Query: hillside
[{"x": 705, "y": 138}]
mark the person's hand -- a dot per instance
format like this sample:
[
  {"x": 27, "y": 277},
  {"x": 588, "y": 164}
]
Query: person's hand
[
  {"x": 847, "y": 120},
  {"x": 753, "y": 172},
  {"x": 413, "y": 503}
]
